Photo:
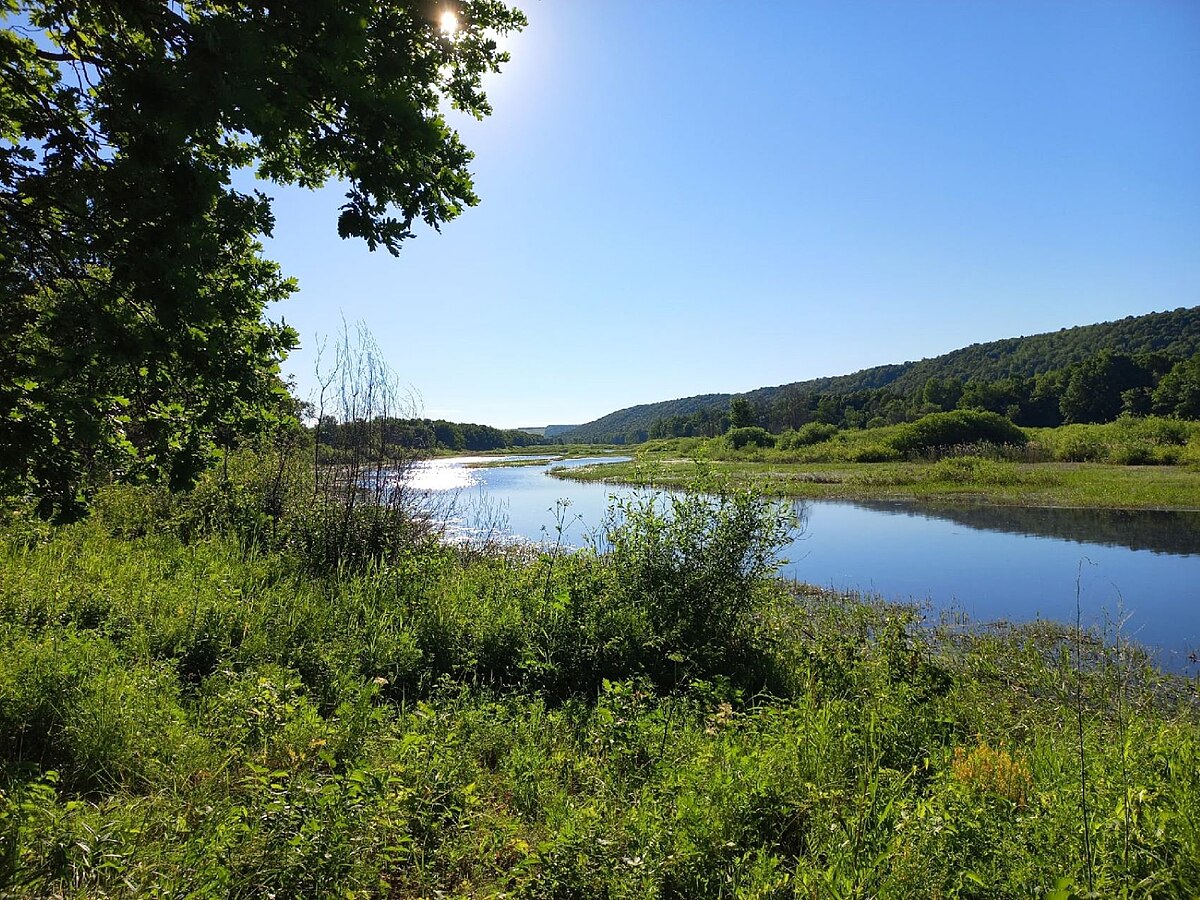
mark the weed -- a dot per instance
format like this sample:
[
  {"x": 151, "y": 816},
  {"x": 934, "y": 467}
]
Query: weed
[{"x": 993, "y": 771}]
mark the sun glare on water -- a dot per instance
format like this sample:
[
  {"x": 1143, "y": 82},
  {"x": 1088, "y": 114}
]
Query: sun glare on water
[
  {"x": 449, "y": 22},
  {"x": 444, "y": 474}
]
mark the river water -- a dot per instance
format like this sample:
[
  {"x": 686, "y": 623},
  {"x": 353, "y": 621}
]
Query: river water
[{"x": 986, "y": 563}]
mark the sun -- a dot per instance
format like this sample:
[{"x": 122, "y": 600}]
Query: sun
[{"x": 449, "y": 22}]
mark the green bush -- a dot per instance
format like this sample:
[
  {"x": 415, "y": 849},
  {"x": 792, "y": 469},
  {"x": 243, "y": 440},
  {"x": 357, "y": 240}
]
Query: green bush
[
  {"x": 750, "y": 436},
  {"x": 940, "y": 432},
  {"x": 696, "y": 565},
  {"x": 68, "y": 703},
  {"x": 132, "y": 510},
  {"x": 1127, "y": 441},
  {"x": 806, "y": 435}
]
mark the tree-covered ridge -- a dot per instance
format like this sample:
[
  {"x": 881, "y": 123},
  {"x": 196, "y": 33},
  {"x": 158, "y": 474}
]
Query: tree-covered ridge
[
  {"x": 1175, "y": 333},
  {"x": 421, "y": 434},
  {"x": 631, "y": 425},
  {"x": 1022, "y": 377}
]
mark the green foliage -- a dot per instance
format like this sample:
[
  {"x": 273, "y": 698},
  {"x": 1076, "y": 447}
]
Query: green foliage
[
  {"x": 750, "y": 436},
  {"x": 420, "y": 434},
  {"x": 205, "y": 718},
  {"x": 1116, "y": 366},
  {"x": 1128, "y": 441},
  {"x": 694, "y": 564},
  {"x": 1178, "y": 393},
  {"x": 939, "y": 432},
  {"x": 1096, "y": 387},
  {"x": 741, "y": 413},
  {"x": 68, "y": 702},
  {"x": 806, "y": 435},
  {"x": 710, "y": 411},
  {"x": 132, "y": 285},
  {"x": 943, "y": 393}
]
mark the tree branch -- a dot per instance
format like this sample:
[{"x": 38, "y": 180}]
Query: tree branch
[{"x": 50, "y": 56}]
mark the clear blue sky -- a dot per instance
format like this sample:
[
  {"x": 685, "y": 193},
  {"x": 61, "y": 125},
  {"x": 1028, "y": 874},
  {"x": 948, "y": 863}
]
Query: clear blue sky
[{"x": 690, "y": 197}]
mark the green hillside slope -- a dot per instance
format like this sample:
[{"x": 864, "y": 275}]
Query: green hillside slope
[
  {"x": 624, "y": 425},
  {"x": 1175, "y": 333}
]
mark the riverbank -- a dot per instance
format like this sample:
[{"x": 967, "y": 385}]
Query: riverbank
[
  {"x": 207, "y": 710},
  {"x": 961, "y": 480},
  {"x": 559, "y": 451}
]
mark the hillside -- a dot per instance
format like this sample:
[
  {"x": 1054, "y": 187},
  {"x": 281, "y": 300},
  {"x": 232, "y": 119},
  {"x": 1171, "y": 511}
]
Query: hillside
[
  {"x": 1175, "y": 333},
  {"x": 613, "y": 428}
]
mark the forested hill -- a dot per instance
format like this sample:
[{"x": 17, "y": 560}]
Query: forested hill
[
  {"x": 617, "y": 426},
  {"x": 1175, "y": 334}
]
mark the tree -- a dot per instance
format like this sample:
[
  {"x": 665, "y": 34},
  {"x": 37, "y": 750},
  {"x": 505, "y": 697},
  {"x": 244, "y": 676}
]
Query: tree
[
  {"x": 741, "y": 413},
  {"x": 792, "y": 408},
  {"x": 1093, "y": 392},
  {"x": 943, "y": 393},
  {"x": 829, "y": 410},
  {"x": 132, "y": 283},
  {"x": 1178, "y": 394}
]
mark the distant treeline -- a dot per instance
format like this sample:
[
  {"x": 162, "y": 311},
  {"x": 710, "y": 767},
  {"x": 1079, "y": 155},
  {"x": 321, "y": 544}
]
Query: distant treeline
[
  {"x": 1025, "y": 378},
  {"x": 417, "y": 435},
  {"x": 1098, "y": 389}
]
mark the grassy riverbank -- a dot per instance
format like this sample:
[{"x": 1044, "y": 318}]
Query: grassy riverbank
[
  {"x": 562, "y": 451},
  {"x": 1138, "y": 464},
  {"x": 549, "y": 457},
  {"x": 962, "y": 480},
  {"x": 191, "y": 705}
]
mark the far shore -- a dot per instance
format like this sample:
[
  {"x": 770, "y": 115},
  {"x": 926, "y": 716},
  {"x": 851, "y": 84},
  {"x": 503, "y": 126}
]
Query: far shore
[{"x": 1080, "y": 485}]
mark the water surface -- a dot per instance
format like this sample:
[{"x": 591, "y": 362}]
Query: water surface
[{"x": 1141, "y": 569}]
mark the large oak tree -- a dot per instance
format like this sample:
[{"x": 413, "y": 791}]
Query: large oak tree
[{"x": 132, "y": 282}]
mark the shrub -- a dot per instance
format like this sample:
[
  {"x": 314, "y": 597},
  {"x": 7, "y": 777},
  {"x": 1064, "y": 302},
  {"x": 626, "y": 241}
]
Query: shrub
[
  {"x": 961, "y": 426},
  {"x": 695, "y": 563},
  {"x": 69, "y": 703},
  {"x": 129, "y": 511},
  {"x": 1127, "y": 441},
  {"x": 750, "y": 436},
  {"x": 806, "y": 435}
]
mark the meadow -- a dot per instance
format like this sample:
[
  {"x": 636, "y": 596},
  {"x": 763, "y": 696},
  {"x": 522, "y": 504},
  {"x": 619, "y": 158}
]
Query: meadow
[
  {"x": 1128, "y": 464},
  {"x": 195, "y": 702}
]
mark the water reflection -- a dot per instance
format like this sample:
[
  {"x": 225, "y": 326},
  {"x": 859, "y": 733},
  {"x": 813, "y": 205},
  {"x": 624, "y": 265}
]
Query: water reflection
[
  {"x": 451, "y": 474},
  {"x": 1158, "y": 531},
  {"x": 991, "y": 563}
]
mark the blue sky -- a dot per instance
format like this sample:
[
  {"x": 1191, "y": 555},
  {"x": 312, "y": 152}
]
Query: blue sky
[{"x": 690, "y": 197}]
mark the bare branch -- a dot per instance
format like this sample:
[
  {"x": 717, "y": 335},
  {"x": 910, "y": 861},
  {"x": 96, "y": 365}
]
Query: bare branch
[{"x": 66, "y": 57}]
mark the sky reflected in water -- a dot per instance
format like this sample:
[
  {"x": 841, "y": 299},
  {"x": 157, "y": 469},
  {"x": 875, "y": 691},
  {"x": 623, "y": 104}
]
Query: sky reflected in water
[{"x": 987, "y": 563}]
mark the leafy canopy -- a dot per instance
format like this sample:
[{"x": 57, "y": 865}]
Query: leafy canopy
[{"x": 132, "y": 281}]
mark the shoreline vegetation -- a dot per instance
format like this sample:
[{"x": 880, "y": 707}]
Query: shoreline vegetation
[
  {"x": 1129, "y": 464},
  {"x": 1069, "y": 485},
  {"x": 192, "y": 696},
  {"x": 546, "y": 455}
]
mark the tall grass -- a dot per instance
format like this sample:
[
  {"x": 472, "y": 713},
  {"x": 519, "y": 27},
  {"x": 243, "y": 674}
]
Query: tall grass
[
  {"x": 1127, "y": 441},
  {"x": 185, "y": 710}
]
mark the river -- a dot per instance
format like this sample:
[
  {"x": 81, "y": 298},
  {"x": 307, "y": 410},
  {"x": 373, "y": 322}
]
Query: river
[{"x": 1140, "y": 570}]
